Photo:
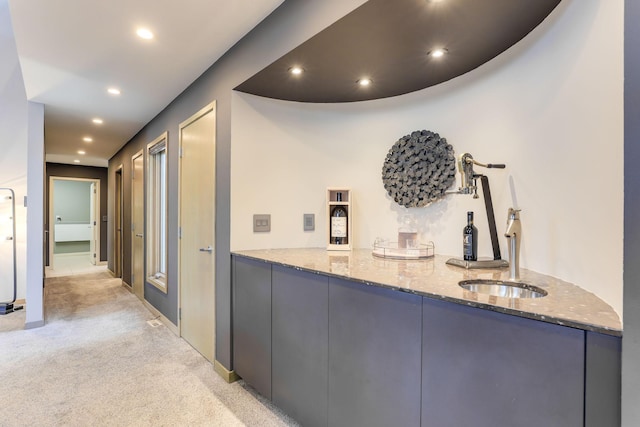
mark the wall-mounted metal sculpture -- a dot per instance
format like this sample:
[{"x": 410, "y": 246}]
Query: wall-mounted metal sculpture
[{"x": 419, "y": 169}]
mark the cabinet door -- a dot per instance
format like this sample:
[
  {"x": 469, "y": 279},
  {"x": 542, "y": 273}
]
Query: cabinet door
[
  {"x": 252, "y": 323},
  {"x": 374, "y": 356},
  {"x": 603, "y": 380},
  {"x": 482, "y": 368},
  {"x": 300, "y": 341}
]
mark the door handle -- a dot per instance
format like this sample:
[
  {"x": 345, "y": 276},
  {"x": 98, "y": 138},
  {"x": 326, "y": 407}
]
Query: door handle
[
  {"x": 139, "y": 235},
  {"x": 207, "y": 249}
]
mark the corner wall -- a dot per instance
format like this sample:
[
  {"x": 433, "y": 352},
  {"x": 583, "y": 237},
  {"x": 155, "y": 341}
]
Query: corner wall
[{"x": 631, "y": 337}]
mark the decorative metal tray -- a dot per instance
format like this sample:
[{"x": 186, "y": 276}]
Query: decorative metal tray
[{"x": 391, "y": 250}]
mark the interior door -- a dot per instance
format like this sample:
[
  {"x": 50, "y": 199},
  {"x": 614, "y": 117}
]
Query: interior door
[
  {"x": 117, "y": 261},
  {"x": 197, "y": 231},
  {"x": 137, "y": 225},
  {"x": 92, "y": 223}
]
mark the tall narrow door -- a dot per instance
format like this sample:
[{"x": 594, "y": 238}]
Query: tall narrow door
[
  {"x": 137, "y": 225},
  {"x": 197, "y": 231},
  {"x": 117, "y": 260},
  {"x": 93, "y": 223}
]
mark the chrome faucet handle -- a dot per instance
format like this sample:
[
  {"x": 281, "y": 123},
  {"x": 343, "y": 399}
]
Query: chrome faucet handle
[{"x": 514, "y": 213}]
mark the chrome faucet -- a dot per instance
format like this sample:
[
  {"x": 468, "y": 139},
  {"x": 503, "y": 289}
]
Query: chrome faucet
[{"x": 514, "y": 236}]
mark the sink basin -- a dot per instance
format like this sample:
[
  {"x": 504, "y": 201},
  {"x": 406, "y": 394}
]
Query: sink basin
[{"x": 500, "y": 288}]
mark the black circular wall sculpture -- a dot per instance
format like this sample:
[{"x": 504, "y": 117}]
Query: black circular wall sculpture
[{"x": 419, "y": 169}]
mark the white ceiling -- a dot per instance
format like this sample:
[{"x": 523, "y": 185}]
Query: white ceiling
[{"x": 71, "y": 51}]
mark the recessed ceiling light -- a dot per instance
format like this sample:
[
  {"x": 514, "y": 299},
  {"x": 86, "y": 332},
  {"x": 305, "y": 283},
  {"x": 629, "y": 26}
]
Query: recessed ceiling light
[
  {"x": 296, "y": 71},
  {"x": 438, "y": 53},
  {"x": 365, "y": 81},
  {"x": 97, "y": 121},
  {"x": 144, "y": 33},
  {"x": 113, "y": 91},
  {"x": 87, "y": 139},
  {"x": 82, "y": 152},
  {"x": 76, "y": 161}
]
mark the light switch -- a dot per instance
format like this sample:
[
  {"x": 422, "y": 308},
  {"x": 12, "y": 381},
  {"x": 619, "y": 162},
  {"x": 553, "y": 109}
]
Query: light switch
[{"x": 261, "y": 223}]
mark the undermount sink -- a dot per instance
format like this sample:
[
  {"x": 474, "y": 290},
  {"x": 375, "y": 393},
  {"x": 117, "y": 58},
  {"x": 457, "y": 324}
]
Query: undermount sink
[{"x": 500, "y": 288}]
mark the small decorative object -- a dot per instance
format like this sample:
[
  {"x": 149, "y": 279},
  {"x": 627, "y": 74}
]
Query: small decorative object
[
  {"x": 384, "y": 249},
  {"x": 419, "y": 169},
  {"x": 339, "y": 219},
  {"x": 408, "y": 232}
]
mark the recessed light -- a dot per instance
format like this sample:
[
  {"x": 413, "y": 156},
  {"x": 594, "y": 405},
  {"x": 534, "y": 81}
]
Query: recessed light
[
  {"x": 97, "y": 121},
  {"x": 144, "y": 33},
  {"x": 438, "y": 53},
  {"x": 76, "y": 161},
  {"x": 113, "y": 91},
  {"x": 365, "y": 81},
  {"x": 296, "y": 71},
  {"x": 82, "y": 152},
  {"x": 87, "y": 139}
]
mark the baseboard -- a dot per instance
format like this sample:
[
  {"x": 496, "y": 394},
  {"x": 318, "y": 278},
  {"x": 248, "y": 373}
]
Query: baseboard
[
  {"x": 33, "y": 325},
  {"x": 228, "y": 376},
  {"x": 68, "y": 254},
  {"x": 173, "y": 328},
  {"x": 128, "y": 286}
]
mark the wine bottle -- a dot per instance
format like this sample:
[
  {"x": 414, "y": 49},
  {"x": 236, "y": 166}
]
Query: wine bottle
[
  {"x": 339, "y": 223},
  {"x": 470, "y": 240}
]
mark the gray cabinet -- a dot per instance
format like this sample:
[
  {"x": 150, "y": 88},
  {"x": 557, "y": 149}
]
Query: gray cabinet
[
  {"x": 332, "y": 352},
  {"x": 300, "y": 344},
  {"x": 602, "y": 380},
  {"x": 482, "y": 368},
  {"x": 252, "y": 323},
  {"x": 374, "y": 356}
]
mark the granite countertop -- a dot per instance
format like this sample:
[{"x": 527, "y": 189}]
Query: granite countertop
[{"x": 566, "y": 304}]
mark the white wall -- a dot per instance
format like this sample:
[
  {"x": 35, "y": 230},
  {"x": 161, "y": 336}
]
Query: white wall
[
  {"x": 550, "y": 108},
  {"x": 13, "y": 146}
]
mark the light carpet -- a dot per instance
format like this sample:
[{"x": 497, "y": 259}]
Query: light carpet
[{"x": 97, "y": 362}]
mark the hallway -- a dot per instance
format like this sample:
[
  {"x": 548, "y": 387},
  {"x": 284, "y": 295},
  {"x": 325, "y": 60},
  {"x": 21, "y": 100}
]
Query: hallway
[
  {"x": 73, "y": 264},
  {"x": 98, "y": 361}
]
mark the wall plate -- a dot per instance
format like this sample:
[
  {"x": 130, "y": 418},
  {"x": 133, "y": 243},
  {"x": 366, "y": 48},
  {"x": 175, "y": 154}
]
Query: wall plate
[
  {"x": 309, "y": 222},
  {"x": 261, "y": 223}
]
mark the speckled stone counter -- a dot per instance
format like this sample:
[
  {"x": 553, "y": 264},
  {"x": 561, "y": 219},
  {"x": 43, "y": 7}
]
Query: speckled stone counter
[{"x": 566, "y": 304}]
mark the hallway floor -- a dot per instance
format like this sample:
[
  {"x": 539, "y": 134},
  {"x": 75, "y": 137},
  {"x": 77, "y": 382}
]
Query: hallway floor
[
  {"x": 97, "y": 361},
  {"x": 71, "y": 264}
]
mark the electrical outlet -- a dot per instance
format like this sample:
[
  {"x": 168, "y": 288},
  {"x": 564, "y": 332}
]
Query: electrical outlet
[
  {"x": 309, "y": 222},
  {"x": 261, "y": 223}
]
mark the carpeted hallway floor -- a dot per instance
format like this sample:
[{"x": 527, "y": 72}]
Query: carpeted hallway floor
[{"x": 97, "y": 362}]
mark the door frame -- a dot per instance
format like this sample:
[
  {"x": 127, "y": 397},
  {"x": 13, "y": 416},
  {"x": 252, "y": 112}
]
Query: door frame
[
  {"x": 118, "y": 221},
  {"x": 95, "y": 200},
  {"x": 137, "y": 154},
  {"x": 206, "y": 109}
]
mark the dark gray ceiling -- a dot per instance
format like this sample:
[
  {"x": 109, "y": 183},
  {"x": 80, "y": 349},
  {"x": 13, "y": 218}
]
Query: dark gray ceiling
[{"x": 388, "y": 41}]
